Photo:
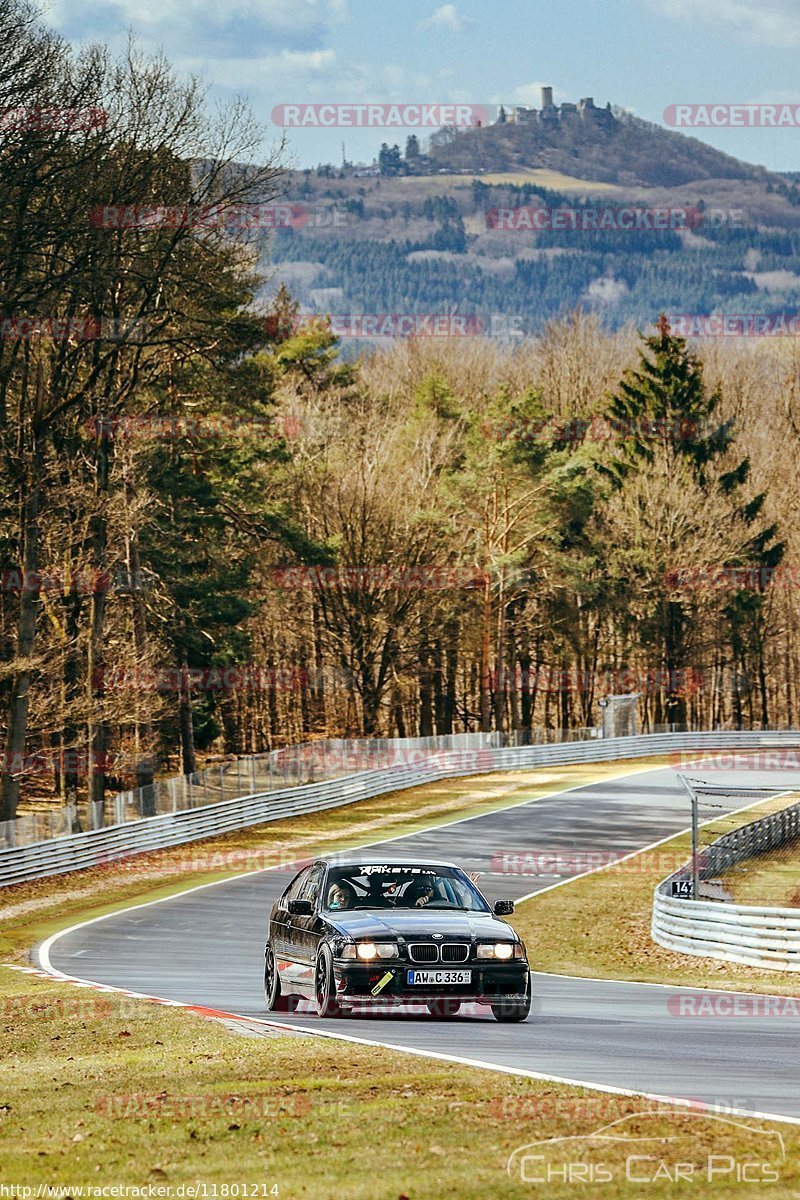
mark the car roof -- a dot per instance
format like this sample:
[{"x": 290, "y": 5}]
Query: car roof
[{"x": 388, "y": 860}]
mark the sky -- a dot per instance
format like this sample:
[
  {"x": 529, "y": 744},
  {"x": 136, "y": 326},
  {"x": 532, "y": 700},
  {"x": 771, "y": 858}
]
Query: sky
[{"x": 642, "y": 55}]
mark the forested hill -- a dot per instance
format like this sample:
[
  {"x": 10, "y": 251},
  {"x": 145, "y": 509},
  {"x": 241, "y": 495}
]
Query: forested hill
[
  {"x": 434, "y": 243},
  {"x": 612, "y": 148}
]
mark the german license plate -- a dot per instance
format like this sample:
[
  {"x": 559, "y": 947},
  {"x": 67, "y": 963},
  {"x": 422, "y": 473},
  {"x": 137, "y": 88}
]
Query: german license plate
[{"x": 435, "y": 978}]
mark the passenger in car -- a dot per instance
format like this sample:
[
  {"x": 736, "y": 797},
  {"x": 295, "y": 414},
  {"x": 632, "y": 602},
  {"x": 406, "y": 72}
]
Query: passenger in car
[{"x": 341, "y": 895}]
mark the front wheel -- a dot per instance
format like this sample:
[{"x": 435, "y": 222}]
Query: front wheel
[
  {"x": 509, "y": 1011},
  {"x": 443, "y": 1008},
  {"x": 276, "y": 1001},
  {"x": 325, "y": 986}
]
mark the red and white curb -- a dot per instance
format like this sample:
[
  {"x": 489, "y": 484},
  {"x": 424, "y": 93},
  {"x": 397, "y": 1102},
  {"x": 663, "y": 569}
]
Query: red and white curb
[{"x": 199, "y": 1010}]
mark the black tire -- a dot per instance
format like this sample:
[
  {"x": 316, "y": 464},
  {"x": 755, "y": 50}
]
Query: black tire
[
  {"x": 276, "y": 1001},
  {"x": 325, "y": 986},
  {"x": 443, "y": 1008},
  {"x": 509, "y": 1011}
]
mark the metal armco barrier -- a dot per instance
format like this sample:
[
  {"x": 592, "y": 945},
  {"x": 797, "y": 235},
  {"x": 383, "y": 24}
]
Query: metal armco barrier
[
  {"x": 75, "y": 851},
  {"x": 745, "y": 933}
]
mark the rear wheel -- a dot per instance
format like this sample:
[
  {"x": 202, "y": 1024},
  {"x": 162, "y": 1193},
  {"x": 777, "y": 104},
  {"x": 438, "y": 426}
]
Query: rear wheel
[
  {"x": 325, "y": 986},
  {"x": 443, "y": 1008},
  {"x": 276, "y": 1001},
  {"x": 513, "y": 1010}
]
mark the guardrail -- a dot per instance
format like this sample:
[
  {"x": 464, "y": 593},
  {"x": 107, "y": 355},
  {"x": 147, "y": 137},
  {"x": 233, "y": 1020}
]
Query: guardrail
[
  {"x": 73, "y": 852},
  {"x": 254, "y": 774},
  {"x": 756, "y": 935}
]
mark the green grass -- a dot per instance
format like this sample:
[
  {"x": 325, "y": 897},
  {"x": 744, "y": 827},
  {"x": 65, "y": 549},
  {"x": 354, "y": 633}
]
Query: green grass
[
  {"x": 772, "y": 879},
  {"x": 114, "y": 1092}
]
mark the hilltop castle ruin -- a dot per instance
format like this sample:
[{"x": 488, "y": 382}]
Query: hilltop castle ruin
[{"x": 554, "y": 114}]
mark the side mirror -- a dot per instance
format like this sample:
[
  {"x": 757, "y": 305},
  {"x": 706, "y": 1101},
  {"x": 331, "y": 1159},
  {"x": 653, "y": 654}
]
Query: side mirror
[
  {"x": 301, "y": 908},
  {"x": 503, "y": 908}
]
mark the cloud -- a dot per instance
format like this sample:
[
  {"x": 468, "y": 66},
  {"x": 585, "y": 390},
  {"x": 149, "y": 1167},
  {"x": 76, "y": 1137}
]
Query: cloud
[
  {"x": 448, "y": 17},
  {"x": 339, "y": 10},
  {"x": 239, "y": 28},
  {"x": 531, "y": 94},
  {"x": 285, "y": 71},
  {"x": 769, "y": 22},
  {"x": 307, "y": 61}
]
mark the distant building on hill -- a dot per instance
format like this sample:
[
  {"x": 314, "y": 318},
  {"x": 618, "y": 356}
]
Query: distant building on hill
[{"x": 551, "y": 114}]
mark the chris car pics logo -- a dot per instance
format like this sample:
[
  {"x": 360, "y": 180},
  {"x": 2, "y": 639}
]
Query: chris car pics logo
[{"x": 653, "y": 1149}]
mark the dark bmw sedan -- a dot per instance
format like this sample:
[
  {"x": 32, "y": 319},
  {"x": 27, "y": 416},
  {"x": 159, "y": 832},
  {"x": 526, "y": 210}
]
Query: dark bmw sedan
[{"x": 349, "y": 934}]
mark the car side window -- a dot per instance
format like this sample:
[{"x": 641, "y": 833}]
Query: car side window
[
  {"x": 312, "y": 883},
  {"x": 295, "y": 887}
]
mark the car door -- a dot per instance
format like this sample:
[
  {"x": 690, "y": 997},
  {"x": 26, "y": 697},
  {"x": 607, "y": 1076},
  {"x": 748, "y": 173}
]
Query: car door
[
  {"x": 305, "y": 930},
  {"x": 281, "y": 932}
]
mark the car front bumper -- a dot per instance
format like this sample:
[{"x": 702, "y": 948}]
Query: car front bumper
[{"x": 489, "y": 983}]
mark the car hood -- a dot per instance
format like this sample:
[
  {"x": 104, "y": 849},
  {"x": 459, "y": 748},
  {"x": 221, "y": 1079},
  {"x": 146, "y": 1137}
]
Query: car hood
[{"x": 410, "y": 923}]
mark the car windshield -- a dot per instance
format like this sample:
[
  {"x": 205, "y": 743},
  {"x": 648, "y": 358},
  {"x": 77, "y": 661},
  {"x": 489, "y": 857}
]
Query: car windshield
[{"x": 391, "y": 886}]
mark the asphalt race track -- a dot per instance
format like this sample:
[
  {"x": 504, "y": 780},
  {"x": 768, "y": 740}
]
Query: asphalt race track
[{"x": 205, "y": 947}]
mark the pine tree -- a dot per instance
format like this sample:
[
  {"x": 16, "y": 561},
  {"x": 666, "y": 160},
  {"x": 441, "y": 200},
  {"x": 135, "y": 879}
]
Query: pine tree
[
  {"x": 663, "y": 414},
  {"x": 412, "y": 150}
]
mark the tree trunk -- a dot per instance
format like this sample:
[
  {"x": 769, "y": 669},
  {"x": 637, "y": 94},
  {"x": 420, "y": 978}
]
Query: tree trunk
[
  {"x": 486, "y": 684},
  {"x": 451, "y": 676},
  {"x": 501, "y": 685},
  {"x": 71, "y": 682},
  {"x": 511, "y": 656},
  {"x": 97, "y": 732},
  {"x": 397, "y": 709},
  {"x": 188, "y": 761},
  {"x": 29, "y": 604},
  {"x": 526, "y": 694},
  {"x": 318, "y": 680},
  {"x": 674, "y": 661},
  {"x": 425, "y": 723}
]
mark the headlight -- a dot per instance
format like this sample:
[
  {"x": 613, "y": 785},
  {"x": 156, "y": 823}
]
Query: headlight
[
  {"x": 501, "y": 950},
  {"x": 369, "y": 950},
  {"x": 348, "y": 951}
]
